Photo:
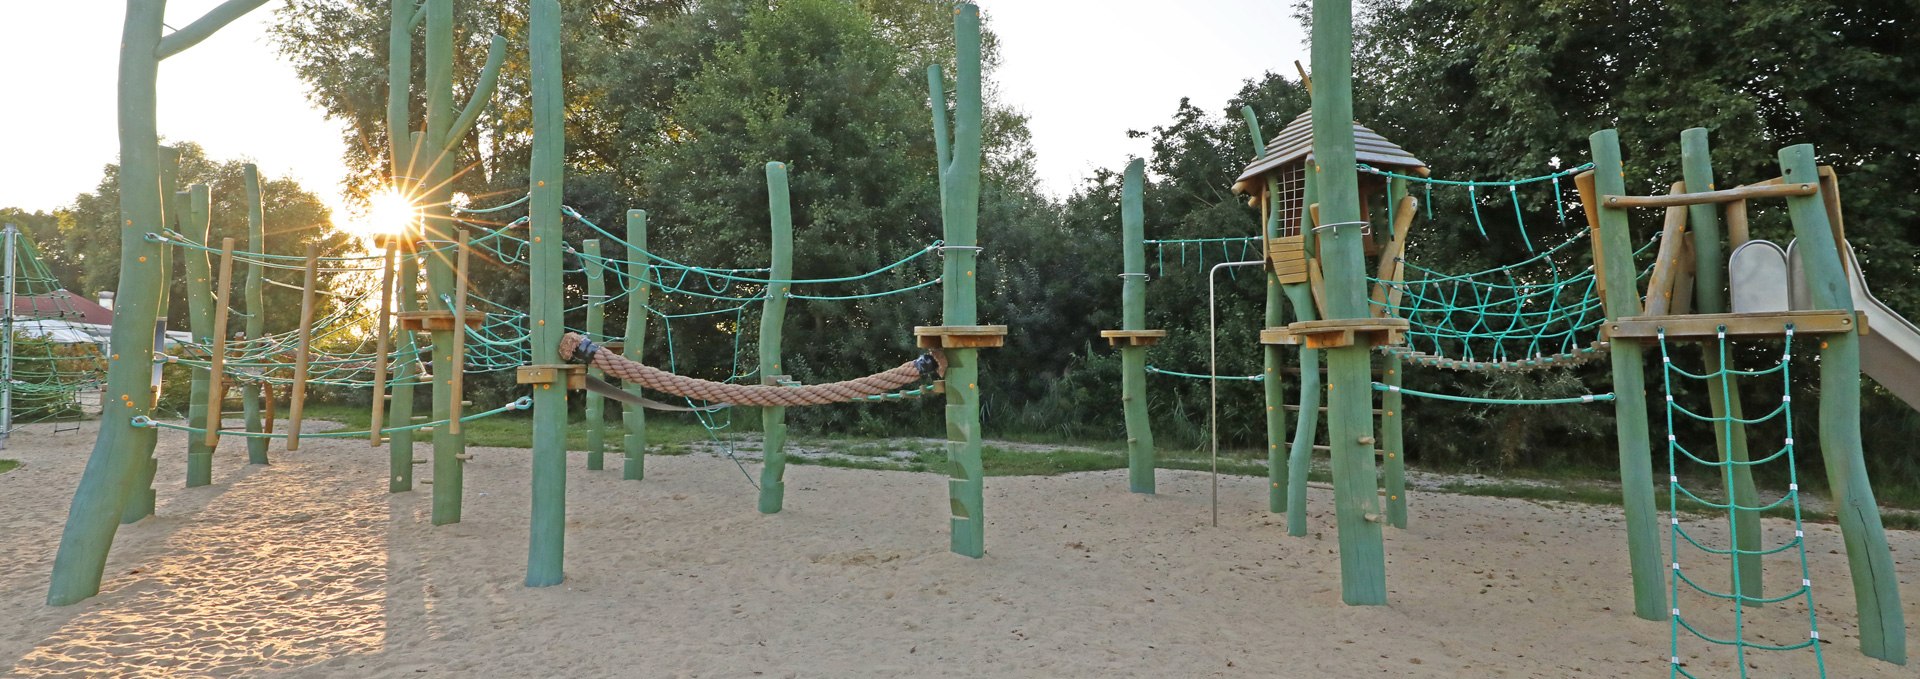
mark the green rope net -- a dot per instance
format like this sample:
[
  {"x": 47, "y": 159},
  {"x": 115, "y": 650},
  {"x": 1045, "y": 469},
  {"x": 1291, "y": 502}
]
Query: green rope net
[
  {"x": 1737, "y": 597},
  {"x": 56, "y": 357}
]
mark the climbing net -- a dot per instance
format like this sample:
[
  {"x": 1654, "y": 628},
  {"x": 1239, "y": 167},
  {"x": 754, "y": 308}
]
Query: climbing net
[
  {"x": 53, "y": 355},
  {"x": 1539, "y": 312},
  {"x": 1731, "y": 468}
]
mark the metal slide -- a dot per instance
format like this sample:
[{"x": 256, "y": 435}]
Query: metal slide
[{"x": 1890, "y": 347}]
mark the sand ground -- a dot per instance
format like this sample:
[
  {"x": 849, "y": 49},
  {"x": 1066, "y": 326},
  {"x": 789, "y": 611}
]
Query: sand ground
[{"x": 308, "y": 567}]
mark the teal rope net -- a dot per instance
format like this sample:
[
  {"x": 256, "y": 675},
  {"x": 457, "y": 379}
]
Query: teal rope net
[
  {"x": 1735, "y": 597},
  {"x": 56, "y": 355}
]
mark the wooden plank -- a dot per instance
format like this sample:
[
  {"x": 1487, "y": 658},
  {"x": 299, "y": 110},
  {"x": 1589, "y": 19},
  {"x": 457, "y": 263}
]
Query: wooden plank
[
  {"x": 382, "y": 342},
  {"x": 1277, "y": 336},
  {"x": 1391, "y": 267},
  {"x": 222, "y": 300},
  {"x": 960, "y": 336},
  {"x": 1660, "y": 283},
  {"x": 297, "y": 407},
  {"x": 1707, "y": 326},
  {"x": 1748, "y": 192}
]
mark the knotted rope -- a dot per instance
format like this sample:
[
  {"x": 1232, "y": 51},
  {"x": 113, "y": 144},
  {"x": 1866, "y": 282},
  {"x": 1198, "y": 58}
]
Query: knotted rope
[{"x": 575, "y": 348}]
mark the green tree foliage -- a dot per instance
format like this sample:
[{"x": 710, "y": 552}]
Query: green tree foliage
[{"x": 84, "y": 247}]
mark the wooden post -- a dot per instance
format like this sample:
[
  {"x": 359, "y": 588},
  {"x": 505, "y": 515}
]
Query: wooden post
[
  {"x": 255, "y": 296},
  {"x": 140, "y": 497},
  {"x": 406, "y": 293},
  {"x": 458, "y": 377},
  {"x": 959, "y": 172},
  {"x": 93, "y": 517},
  {"x": 773, "y": 316},
  {"x": 1392, "y": 438},
  {"x": 1710, "y": 297},
  {"x": 381, "y": 345},
  {"x": 1876, "y": 589},
  {"x": 1307, "y": 428},
  {"x": 1273, "y": 388},
  {"x": 597, "y": 331},
  {"x": 639, "y": 275},
  {"x": 1133, "y": 314},
  {"x": 197, "y": 226},
  {"x": 298, "y": 404},
  {"x": 546, "y": 172},
  {"x": 1619, "y": 274},
  {"x": 222, "y": 306}
]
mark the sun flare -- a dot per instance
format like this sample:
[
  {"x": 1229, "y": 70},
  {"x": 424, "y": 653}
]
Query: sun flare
[{"x": 388, "y": 212}]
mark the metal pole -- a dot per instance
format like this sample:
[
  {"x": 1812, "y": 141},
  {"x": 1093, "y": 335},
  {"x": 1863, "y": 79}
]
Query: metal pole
[
  {"x": 1213, "y": 373},
  {"x": 6, "y": 353}
]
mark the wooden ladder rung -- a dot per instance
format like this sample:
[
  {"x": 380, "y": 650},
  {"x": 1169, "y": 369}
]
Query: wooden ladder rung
[
  {"x": 1296, "y": 408},
  {"x": 1377, "y": 452}
]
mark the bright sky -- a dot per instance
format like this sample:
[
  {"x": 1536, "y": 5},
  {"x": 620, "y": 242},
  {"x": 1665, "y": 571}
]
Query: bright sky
[{"x": 1085, "y": 71}]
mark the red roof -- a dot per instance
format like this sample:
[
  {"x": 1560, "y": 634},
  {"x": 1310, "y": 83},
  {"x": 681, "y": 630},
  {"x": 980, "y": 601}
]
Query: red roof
[{"x": 62, "y": 305}]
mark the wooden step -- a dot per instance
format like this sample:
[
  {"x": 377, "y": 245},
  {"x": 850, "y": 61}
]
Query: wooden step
[{"x": 1377, "y": 452}]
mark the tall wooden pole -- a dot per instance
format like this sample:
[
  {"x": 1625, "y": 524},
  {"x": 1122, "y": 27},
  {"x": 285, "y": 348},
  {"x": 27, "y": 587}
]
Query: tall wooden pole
[
  {"x": 597, "y": 331},
  {"x": 1710, "y": 297},
  {"x": 458, "y": 377},
  {"x": 959, "y": 170},
  {"x": 255, "y": 296},
  {"x": 382, "y": 344},
  {"x": 297, "y": 405},
  {"x": 94, "y": 514},
  {"x": 1307, "y": 429},
  {"x": 639, "y": 275},
  {"x": 197, "y": 226},
  {"x": 546, "y": 174},
  {"x": 1363, "y": 563},
  {"x": 1272, "y": 386},
  {"x": 773, "y": 317},
  {"x": 1619, "y": 274},
  {"x": 1133, "y": 316},
  {"x": 140, "y": 497},
  {"x": 222, "y": 307},
  {"x": 403, "y": 145},
  {"x": 1392, "y": 437},
  {"x": 1876, "y": 589}
]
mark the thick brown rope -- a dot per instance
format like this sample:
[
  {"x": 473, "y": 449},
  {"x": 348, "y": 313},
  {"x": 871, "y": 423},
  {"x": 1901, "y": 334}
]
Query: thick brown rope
[{"x": 635, "y": 372}]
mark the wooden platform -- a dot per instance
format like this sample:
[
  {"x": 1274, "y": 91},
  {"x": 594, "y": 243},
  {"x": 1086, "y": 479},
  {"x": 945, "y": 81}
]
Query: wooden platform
[
  {"x": 960, "y": 336},
  {"x": 1346, "y": 332},
  {"x": 1705, "y": 327},
  {"x": 1133, "y": 338},
  {"x": 573, "y": 375},
  {"x": 428, "y": 321}
]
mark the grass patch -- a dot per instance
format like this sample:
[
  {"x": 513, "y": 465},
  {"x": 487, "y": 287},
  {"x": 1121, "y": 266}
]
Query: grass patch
[
  {"x": 1598, "y": 495},
  {"x": 8, "y": 465}
]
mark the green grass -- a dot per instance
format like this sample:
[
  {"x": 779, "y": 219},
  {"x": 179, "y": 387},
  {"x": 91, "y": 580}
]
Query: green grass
[
  {"x": 8, "y": 465},
  {"x": 1601, "y": 495}
]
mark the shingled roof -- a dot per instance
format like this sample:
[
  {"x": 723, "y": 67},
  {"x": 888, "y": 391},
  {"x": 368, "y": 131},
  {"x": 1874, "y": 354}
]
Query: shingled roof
[{"x": 1296, "y": 143}]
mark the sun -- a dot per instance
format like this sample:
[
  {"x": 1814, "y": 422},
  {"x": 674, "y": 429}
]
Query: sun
[{"x": 388, "y": 212}]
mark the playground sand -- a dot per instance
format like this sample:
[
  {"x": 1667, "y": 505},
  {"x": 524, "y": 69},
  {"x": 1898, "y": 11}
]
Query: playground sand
[{"x": 309, "y": 568}]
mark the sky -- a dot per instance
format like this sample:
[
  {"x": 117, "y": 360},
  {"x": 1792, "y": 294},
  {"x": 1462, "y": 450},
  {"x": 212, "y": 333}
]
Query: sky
[{"x": 1084, "y": 71}]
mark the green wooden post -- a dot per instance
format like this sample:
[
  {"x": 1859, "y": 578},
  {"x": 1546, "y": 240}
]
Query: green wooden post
[
  {"x": 1307, "y": 428},
  {"x": 1133, "y": 314},
  {"x": 1392, "y": 437},
  {"x": 547, "y": 174},
  {"x": 773, "y": 315},
  {"x": 437, "y": 154},
  {"x": 254, "y": 296},
  {"x": 196, "y": 226},
  {"x": 140, "y": 497},
  {"x": 1876, "y": 589},
  {"x": 1710, "y": 297},
  {"x": 639, "y": 275},
  {"x": 959, "y": 170},
  {"x": 1272, "y": 359},
  {"x": 94, "y": 515},
  {"x": 1363, "y": 560},
  {"x": 597, "y": 331},
  {"x": 1620, "y": 274},
  {"x": 401, "y": 144}
]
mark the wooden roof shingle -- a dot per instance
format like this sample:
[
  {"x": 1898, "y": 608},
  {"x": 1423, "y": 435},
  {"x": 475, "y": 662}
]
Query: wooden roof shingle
[{"x": 1295, "y": 143}]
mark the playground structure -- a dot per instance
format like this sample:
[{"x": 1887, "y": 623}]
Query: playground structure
[
  {"x": 50, "y": 348},
  {"x": 1551, "y": 311},
  {"x": 441, "y": 241},
  {"x": 1317, "y": 237}
]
